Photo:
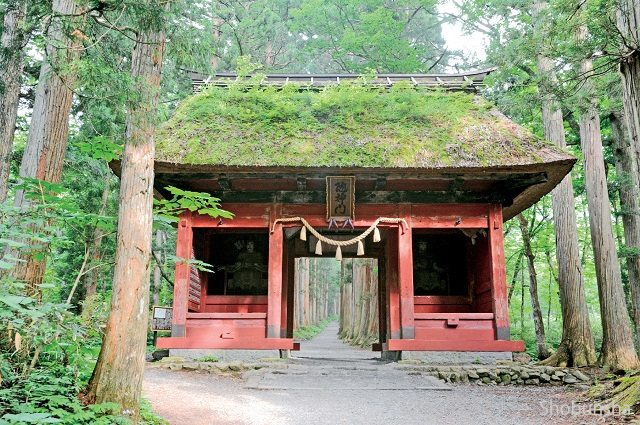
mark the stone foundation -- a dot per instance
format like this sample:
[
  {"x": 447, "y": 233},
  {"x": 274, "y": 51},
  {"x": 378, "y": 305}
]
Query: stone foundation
[
  {"x": 458, "y": 357},
  {"x": 225, "y": 355},
  {"x": 501, "y": 374}
]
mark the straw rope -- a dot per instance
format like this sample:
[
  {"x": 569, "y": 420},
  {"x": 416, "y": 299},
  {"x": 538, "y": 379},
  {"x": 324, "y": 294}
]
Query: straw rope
[{"x": 334, "y": 242}]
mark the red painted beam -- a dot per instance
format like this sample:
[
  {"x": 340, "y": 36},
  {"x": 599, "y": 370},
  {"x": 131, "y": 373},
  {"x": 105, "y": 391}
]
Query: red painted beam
[
  {"x": 460, "y": 210},
  {"x": 450, "y": 222},
  {"x": 498, "y": 273},
  {"x": 461, "y": 316},
  {"x": 220, "y": 343},
  {"x": 449, "y": 216},
  {"x": 251, "y": 216},
  {"x": 441, "y": 299},
  {"x": 366, "y": 212},
  {"x": 453, "y": 345},
  {"x": 226, "y": 316},
  {"x": 236, "y": 299}
]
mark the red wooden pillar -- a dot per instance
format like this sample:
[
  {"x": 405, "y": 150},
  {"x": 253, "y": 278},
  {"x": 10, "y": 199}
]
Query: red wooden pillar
[
  {"x": 274, "y": 294},
  {"x": 392, "y": 289},
  {"x": 405, "y": 275},
  {"x": 184, "y": 247},
  {"x": 288, "y": 272},
  {"x": 498, "y": 273}
]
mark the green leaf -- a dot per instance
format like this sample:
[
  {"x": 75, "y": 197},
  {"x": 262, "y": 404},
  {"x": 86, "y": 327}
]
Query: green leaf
[
  {"x": 12, "y": 243},
  {"x": 32, "y": 418},
  {"x": 5, "y": 266},
  {"x": 15, "y": 301}
]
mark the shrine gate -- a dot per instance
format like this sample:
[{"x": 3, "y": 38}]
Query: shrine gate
[{"x": 427, "y": 172}]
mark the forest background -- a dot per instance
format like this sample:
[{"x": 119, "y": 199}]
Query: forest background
[{"x": 58, "y": 221}]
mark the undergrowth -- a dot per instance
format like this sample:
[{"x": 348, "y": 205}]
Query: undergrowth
[
  {"x": 47, "y": 355},
  {"x": 306, "y": 333}
]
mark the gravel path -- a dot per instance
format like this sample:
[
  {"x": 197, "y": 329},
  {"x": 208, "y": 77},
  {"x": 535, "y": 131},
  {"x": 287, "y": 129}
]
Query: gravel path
[{"x": 331, "y": 383}]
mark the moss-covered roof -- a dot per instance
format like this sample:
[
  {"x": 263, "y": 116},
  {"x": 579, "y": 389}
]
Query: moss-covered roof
[{"x": 346, "y": 125}]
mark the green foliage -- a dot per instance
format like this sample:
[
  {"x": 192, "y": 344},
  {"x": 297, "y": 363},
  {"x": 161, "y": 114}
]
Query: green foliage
[
  {"x": 101, "y": 148},
  {"x": 185, "y": 200},
  {"x": 543, "y": 245},
  {"x": 208, "y": 359},
  {"x": 52, "y": 207},
  {"x": 402, "y": 36},
  {"x": 45, "y": 358},
  {"x": 47, "y": 355},
  {"x": 306, "y": 333}
]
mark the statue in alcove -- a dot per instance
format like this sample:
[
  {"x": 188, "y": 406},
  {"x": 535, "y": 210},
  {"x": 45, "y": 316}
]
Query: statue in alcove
[
  {"x": 429, "y": 278},
  {"x": 247, "y": 273}
]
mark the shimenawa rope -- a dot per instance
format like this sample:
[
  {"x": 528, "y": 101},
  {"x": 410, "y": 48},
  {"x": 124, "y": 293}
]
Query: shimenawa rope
[{"x": 357, "y": 239}]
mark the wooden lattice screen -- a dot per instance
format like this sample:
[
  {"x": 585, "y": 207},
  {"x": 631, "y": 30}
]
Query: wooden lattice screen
[{"x": 195, "y": 287}]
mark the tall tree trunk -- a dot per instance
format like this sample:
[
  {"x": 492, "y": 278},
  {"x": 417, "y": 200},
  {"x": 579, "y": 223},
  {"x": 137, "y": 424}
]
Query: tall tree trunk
[
  {"x": 117, "y": 376},
  {"x": 307, "y": 293},
  {"x": 627, "y": 171},
  {"x": 373, "y": 300},
  {"x": 47, "y": 141},
  {"x": 541, "y": 344},
  {"x": 157, "y": 270},
  {"x": 514, "y": 278},
  {"x": 576, "y": 348},
  {"x": 618, "y": 351},
  {"x": 11, "y": 65},
  {"x": 91, "y": 283},
  {"x": 628, "y": 23}
]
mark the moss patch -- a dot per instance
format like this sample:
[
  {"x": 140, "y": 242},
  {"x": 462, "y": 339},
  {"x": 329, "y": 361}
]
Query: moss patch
[
  {"x": 623, "y": 393},
  {"x": 346, "y": 125},
  {"x": 306, "y": 333}
]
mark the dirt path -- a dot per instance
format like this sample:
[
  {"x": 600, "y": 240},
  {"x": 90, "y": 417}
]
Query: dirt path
[{"x": 329, "y": 382}]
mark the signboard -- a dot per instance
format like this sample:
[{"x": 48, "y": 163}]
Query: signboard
[
  {"x": 341, "y": 198},
  {"x": 161, "y": 319}
]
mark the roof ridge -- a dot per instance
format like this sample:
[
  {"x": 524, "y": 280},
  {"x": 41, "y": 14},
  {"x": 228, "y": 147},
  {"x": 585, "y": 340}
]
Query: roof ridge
[{"x": 469, "y": 81}]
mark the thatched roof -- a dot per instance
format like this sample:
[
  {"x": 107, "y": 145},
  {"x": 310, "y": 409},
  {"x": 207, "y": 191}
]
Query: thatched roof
[{"x": 353, "y": 126}]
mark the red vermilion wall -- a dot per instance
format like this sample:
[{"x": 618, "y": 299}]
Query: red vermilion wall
[{"x": 412, "y": 323}]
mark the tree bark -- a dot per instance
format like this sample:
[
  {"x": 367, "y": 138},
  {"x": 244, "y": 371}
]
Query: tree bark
[
  {"x": 629, "y": 190},
  {"x": 117, "y": 376},
  {"x": 541, "y": 344},
  {"x": 514, "y": 278},
  {"x": 576, "y": 348},
  {"x": 11, "y": 65},
  {"x": 628, "y": 23},
  {"x": 618, "y": 351},
  {"x": 157, "y": 270},
  {"x": 47, "y": 141}
]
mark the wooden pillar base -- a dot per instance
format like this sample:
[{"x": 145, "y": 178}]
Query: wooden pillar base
[
  {"x": 285, "y": 354},
  {"x": 408, "y": 332},
  {"x": 178, "y": 330},
  {"x": 503, "y": 333},
  {"x": 391, "y": 356}
]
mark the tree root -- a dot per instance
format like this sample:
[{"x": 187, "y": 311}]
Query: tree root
[{"x": 570, "y": 356}]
